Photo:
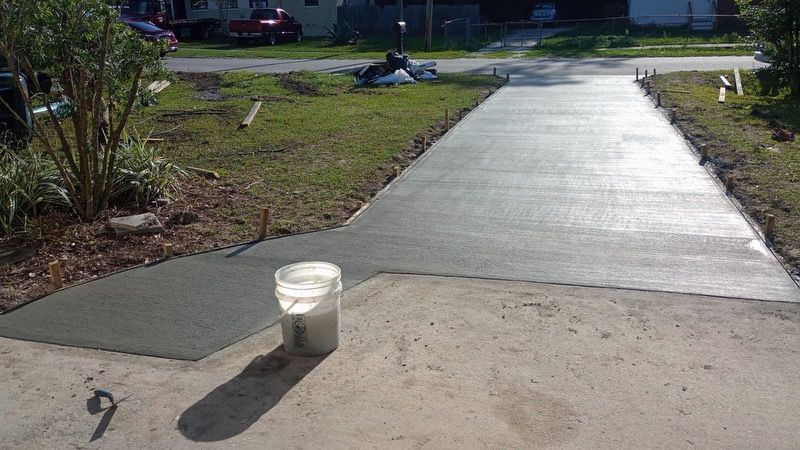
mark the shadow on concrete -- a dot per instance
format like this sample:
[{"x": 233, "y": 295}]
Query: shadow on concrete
[
  {"x": 93, "y": 406},
  {"x": 235, "y": 405}
]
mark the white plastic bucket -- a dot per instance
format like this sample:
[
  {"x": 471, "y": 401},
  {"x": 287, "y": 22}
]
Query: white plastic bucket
[{"x": 308, "y": 293}]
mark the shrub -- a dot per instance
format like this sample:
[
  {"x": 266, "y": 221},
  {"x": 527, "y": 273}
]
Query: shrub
[
  {"x": 142, "y": 175},
  {"x": 775, "y": 24},
  {"x": 28, "y": 186}
]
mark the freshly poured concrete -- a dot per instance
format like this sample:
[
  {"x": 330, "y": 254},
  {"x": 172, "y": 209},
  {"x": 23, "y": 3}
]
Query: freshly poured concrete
[{"x": 574, "y": 180}]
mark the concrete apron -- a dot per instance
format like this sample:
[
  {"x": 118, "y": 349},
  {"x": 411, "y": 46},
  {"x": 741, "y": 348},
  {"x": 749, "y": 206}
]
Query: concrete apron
[
  {"x": 573, "y": 180},
  {"x": 445, "y": 363}
]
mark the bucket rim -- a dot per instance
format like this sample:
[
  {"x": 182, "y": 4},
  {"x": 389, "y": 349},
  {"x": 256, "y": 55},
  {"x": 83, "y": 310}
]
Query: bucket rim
[{"x": 337, "y": 275}]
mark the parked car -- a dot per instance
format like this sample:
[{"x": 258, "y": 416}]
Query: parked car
[
  {"x": 543, "y": 12},
  {"x": 13, "y": 132},
  {"x": 160, "y": 14},
  {"x": 149, "y": 32},
  {"x": 272, "y": 24}
]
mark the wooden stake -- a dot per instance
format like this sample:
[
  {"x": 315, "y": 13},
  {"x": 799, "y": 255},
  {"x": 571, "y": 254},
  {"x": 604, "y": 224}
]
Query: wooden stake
[
  {"x": 673, "y": 116},
  {"x": 508, "y": 77},
  {"x": 494, "y": 71},
  {"x": 251, "y": 115},
  {"x": 770, "y": 231},
  {"x": 359, "y": 205},
  {"x": 704, "y": 151},
  {"x": 263, "y": 221},
  {"x": 722, "y": 94},
  {"x": 645, "y": 73},
  {"x": 396, "y": 171},
  {"x": 654, "y": 73},
  {"x": 168, "y": 252},
  {"x": 424, "y": 143},
  {"x": 729, "y": 183},
  {"x": 658, "y": 99},
  {"x": 55, "y": 274},
  {"x": 210, "y": 174},
  {"x": 637, "y": 74},
  {"x": 737, "y": 78},
  {"x": 446, "y": 119}
]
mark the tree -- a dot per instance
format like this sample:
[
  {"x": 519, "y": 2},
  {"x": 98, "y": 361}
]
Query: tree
[
  {"x": 223, "y": 6},
  {"x": 96, "y": 63},
  {"x": 777, "y": 23}
]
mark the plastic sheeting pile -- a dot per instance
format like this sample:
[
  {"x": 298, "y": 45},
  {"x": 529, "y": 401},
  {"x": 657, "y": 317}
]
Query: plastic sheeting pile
[{"x": 397, "y": 69}]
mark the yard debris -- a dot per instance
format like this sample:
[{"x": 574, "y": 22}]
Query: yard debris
[
  {"x": 158, "y": 86},
  {"x": 782, "y": 134},
  {"x": 398, "y": 69},
  {"x": 251, "y": 115},
  {"x": 210, "y": 174},
  {"x": 138, "y": 224}
]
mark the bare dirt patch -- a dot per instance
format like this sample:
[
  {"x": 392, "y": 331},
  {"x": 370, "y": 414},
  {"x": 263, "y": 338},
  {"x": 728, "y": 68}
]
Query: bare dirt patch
[
  {"x": 206, "y": 84},
  {"x": 297, "y": 86}
]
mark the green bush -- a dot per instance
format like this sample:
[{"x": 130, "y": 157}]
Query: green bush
[
  {"x": 28, "y": 186},
  {"x": 342, "y": 34},
  {"x": 142, "y": 175}
]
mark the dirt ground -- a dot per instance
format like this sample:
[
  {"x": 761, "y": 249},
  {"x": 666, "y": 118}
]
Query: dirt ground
[{"x": 441, "y": 363}]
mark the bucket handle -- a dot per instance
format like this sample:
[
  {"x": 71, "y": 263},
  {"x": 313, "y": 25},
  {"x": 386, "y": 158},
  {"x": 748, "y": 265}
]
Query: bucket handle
[{"x": 286, "y": 311}]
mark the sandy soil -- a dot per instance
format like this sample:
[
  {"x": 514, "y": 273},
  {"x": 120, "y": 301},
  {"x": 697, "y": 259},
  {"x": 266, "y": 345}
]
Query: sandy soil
[{"x": 441, "y": 363}]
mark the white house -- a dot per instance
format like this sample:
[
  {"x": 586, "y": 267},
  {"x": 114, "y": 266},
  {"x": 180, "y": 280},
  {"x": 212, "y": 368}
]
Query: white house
[
  {"x": 673, "y": 12},
  {"x": 315, "y": 15}
]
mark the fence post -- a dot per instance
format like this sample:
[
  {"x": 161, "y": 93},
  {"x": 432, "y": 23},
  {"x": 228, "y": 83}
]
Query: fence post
[{"x": 539, "y": 39}]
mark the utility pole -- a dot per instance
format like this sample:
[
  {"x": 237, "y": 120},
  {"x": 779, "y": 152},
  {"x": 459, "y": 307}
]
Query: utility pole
[
  {"x": 400, "y": 15},
  {"x": 428, "y": 25}
]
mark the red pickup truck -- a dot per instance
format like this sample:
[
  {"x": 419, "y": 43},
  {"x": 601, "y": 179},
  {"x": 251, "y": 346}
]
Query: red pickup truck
[{"x": 273, "y": 24}]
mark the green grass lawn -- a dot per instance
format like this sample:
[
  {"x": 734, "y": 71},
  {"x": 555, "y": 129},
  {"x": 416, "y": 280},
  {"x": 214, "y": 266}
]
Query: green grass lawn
[
  {"x": 369, "y": 47},
  {"x": 740, "y": 144},
  {"x": 603, "y": 41},
  {"x": 318, "y": 145}
]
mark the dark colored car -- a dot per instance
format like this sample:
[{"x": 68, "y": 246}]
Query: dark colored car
[
  {"x": 272, "y": 24},
  {"x": 152, "y": 33},
  {"x": 543, "y": 12}
]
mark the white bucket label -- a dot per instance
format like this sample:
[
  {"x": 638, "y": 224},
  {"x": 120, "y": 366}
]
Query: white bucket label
[{"x": 299, "y": 330}]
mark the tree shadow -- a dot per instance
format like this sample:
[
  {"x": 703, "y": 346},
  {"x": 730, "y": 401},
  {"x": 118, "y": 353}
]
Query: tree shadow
[{"x": 234, "y": 406}]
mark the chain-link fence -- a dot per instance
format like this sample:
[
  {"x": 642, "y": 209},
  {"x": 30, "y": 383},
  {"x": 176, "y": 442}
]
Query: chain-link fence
[{"x": 614, "y": 32}]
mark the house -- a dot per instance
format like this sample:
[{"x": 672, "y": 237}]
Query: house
[
  {"x": 315, "y": 15},
  {"x": 698, "y": 13}
]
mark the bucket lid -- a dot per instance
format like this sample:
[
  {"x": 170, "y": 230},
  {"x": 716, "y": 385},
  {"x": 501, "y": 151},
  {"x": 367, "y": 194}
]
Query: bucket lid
[{"x": 304, "y": 276}]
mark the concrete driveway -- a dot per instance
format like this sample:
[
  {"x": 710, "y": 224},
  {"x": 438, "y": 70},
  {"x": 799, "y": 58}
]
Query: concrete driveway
[{"x": 568, "y": 180}]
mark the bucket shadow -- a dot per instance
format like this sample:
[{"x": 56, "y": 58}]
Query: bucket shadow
[
  {"x": 234, "y": 406},
  {"x": 94, "y": 407}
]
